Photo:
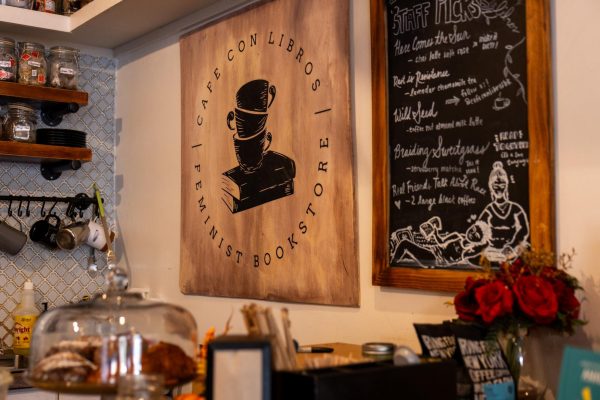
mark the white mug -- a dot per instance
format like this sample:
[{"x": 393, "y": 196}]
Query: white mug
[{"x": 96, "y": 237}]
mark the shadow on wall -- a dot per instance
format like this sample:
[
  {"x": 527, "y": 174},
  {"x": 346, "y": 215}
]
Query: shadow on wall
[
  {"x": 591, "y": 302},
  {"x": 119, "y": 245}
]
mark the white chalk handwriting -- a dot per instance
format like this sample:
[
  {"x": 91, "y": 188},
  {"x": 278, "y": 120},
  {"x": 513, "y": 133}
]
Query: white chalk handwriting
[{"x": 440, "y": 151}]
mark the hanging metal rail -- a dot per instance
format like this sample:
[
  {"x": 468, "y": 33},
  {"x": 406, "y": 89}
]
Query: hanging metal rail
[{"x": 77, "y": 203}]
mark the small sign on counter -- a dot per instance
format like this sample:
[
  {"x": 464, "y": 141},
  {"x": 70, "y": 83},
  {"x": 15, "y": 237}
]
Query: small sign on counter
[{"x": 579, "y": 375}]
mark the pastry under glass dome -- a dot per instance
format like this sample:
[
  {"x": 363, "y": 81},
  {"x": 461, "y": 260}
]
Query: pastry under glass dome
[{"x": 86, "y": 347}]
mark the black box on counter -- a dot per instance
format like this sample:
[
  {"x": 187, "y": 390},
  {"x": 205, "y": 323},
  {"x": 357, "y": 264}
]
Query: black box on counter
[{"x": 380, "y": 381}]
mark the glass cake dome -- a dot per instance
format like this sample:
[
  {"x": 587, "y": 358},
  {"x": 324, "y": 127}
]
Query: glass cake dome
[{"x": 86, "y": 347}]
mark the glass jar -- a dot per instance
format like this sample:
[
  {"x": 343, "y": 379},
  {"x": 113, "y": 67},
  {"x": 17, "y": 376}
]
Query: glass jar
[
  {"x": 89, "y": 347},
  {"x": 140, "y": 387},
  {"x": 48, "y": 6},
  {"x": 8, "y": 60},
  {"x": 20, "y": 123},
  {"x": 70, "y": 6},
  {"x": 32, "y": 64},
  {"x": 63, "y": 67},
  {"x": 20, "y": 3}
]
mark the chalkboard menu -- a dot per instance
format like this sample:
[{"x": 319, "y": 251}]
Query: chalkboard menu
[{"x": 459, "y": 151}]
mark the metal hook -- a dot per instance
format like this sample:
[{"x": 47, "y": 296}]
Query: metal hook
[
  {"x": 71, "y": 210},
  {"x": 19, "y": 211},
  {"x": 10, "y": 207},
  {"x": 52, "y": 209},
  {"x": 27, "y": 212},
  {"x": 42, "y": 212}
]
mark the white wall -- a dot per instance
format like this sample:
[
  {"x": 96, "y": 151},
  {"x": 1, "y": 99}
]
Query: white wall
[
  {"x": 577, "y": 102},
  {"x": 148, "y": 183}
]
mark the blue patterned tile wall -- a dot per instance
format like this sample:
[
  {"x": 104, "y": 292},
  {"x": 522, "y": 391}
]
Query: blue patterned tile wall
[{"x": 62, "y": 276}]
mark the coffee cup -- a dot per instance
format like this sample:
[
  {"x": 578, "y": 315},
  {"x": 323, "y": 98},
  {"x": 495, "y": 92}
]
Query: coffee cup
[
  {"x": 12, "y": 239},
  {"x": 96, "y": 237},
  {"x": 44, "y": 231},
  {"x": 247, "y": 123},
  {"x": 253, "y": 96},
  {"x": 73, "y": 235},
  {"x": 250, "y": 151}
]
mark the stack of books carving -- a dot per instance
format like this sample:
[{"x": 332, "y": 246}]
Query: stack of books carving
[{"x": 272, "y": 181}]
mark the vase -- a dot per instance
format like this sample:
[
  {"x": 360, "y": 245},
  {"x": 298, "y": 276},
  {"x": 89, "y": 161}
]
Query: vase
[{"x": 527, "y": 385}]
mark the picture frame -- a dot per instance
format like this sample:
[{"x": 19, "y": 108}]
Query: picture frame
[
  {"x": 540, "y": 185},
  {"x": 239, "y": 367}
]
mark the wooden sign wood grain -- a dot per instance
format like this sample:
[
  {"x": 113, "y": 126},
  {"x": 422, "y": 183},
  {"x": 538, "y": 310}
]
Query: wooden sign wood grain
[{"x": 268, "y": 202}]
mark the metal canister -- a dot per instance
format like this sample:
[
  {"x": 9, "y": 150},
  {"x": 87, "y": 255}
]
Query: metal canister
[{"x": 378, "y": 350}]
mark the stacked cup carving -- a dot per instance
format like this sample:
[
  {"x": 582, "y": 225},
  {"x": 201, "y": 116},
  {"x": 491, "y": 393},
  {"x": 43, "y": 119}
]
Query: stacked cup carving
[{"x": 251, "y": 140}]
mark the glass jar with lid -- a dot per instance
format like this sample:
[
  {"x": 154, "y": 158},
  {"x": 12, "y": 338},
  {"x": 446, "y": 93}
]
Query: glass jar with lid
[
  {"x": 90, "y": 346},
  {"x": 32, "y": 64},
  {"x": 20, "y": 3},
  {"x": 48, "y": 6},
  {"x": 70, "y": 6},
  {"x": 8, "y": 60},
  {"x": 20, "y": 123},
  {"x": 63, "y": 67}
]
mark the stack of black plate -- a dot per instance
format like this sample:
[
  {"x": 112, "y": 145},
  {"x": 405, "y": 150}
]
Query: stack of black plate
[{"x": 61, "y": 137}]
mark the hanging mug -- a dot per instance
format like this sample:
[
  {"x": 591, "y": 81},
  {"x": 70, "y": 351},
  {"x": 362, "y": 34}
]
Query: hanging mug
[
  {"x": 97, "y": 238},
  {"x": 73, "y": 235},
  {"x": 12, "y": 240},
  {"x": 44, "y": 231}
]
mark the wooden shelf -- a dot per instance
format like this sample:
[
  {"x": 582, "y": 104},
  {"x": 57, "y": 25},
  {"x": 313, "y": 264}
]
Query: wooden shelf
[
  {"x": 105, "y": 23},
  {"x": 43, "y": 93},
  {"x": 30, "y": 152}
]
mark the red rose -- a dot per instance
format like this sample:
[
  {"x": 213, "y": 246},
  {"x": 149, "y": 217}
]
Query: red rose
[
  {"x": 567, "y": 302},
  {"x": 510, "y": 272},
  {"x": 465, "y": 302},
  {"x": 536, "y": 298},
  {"x": 495, "y": 300}
]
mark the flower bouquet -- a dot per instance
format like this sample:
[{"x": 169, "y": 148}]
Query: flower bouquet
[{"x": 532, "y": 291}]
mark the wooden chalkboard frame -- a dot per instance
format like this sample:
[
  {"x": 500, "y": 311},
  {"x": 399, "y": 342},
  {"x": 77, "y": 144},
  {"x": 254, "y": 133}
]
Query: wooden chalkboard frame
[{"x": 541, "y": 156}]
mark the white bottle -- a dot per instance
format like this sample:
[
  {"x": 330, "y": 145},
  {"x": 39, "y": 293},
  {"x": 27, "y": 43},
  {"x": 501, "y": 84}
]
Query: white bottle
[{"x": 24, "y": 317}]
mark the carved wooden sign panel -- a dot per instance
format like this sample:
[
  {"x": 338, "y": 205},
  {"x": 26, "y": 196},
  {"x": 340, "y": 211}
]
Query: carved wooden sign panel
[{"x": 268, "y": 206}]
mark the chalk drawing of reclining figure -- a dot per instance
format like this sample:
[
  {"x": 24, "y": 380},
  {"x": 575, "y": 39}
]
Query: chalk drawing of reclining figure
[{"x": 429, "y": 247}]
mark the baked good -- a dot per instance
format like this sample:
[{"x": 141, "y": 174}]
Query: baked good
[
  {"x": 95, "y": 360},
  {"x": 85, "y": 347},
  {"x": 170, "y": 361},
  {"x": 65, "y": 366}
]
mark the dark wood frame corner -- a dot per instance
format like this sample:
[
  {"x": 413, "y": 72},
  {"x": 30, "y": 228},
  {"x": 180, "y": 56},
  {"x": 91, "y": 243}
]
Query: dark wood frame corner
[
  {"x": 240, "y": 343},
  {"x": 541, "y": 155}
]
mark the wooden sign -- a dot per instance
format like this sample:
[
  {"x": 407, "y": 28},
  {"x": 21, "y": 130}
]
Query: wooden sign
[
  {"x": 268, "y": 207},
  {"x": 462, "y": 137}
]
